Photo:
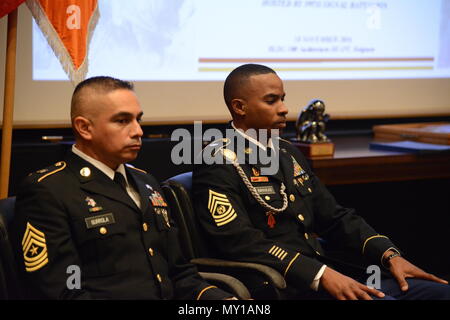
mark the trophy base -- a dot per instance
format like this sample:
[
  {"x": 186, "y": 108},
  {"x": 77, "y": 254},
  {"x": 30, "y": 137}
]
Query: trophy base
[{"x": 316, "y": 150}]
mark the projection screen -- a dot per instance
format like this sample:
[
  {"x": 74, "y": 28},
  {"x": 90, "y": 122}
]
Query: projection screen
[{"x": 365, "y": 59}]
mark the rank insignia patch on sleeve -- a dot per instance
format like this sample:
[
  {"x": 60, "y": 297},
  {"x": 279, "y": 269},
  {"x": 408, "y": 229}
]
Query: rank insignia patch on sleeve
[
  {"x": 34, "y": 249},
  {"x": 221, "y": 209}
]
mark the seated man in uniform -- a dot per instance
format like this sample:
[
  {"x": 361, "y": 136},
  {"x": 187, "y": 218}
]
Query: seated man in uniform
[
  {"x": 95, "y": 215},
  {"x": 271, "y": 219}
]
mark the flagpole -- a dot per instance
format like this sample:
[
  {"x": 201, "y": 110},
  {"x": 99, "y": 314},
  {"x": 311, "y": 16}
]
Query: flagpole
[{"x": 8, "y": 102}]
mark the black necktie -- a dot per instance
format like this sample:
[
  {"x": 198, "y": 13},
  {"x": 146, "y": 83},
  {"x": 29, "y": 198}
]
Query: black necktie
[{"x": 120, "y": 180}]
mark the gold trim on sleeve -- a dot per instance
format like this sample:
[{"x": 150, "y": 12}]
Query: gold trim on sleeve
[
  {"x": 290, "y": 263},
  {"x": 370, "y": 238}
]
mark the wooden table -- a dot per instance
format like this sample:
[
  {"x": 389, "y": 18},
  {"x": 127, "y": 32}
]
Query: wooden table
[{"x": 355, "y": 162}]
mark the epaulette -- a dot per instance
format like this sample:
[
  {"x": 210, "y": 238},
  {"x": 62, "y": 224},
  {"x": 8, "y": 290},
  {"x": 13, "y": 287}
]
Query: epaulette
[
  {"x": 44, "y": 173},
  {"x": 137, "y": 169},
  {"x": 222, "y": 141},
  {"x": 285, "y": 140},
  {"x": 220, "y": 145}
]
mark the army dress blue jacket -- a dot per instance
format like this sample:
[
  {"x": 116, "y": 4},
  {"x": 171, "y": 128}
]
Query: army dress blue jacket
[
  {"x": 240, "y": 227},
  {"x": 71, "y": 215}
]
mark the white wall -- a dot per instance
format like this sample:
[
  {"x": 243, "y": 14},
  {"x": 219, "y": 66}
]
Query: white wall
[{"x": 46, "y": 103}]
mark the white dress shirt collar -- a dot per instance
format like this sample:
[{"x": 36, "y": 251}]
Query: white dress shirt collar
[
  {"x": 100, "y": 165},
  {"x": 253, "y": 139}
]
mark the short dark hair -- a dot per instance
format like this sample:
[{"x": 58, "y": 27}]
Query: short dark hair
[
  {"x": 101, "y": 84},
  {"x": 237, "y": 78}
]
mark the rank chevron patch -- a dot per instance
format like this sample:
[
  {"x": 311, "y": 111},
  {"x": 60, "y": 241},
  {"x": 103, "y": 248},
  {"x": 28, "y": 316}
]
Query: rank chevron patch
[
  {"x": 221, "y": 209},
  {"x": 34, "y": 249}
]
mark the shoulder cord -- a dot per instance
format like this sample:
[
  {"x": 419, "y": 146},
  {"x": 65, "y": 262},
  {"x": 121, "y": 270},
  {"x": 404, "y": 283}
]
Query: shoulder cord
[{"x": 256, "y": 195}]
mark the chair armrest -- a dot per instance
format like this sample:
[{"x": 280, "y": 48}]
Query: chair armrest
[
  {"x": 227, "y": 283},
  {"x": 272, "y": 275}
]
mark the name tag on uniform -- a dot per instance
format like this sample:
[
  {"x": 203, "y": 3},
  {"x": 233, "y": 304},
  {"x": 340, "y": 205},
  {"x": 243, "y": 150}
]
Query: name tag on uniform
[
  {"x": 100, "y": 220},
  {"x": 265, "y": 190}
]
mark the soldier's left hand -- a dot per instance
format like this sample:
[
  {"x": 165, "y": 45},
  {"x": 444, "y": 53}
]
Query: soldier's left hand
[{"x": 401, "y": 269}]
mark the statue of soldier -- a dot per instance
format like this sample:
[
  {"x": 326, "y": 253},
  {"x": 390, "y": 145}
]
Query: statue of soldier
[{"x": 310, "y": 124}]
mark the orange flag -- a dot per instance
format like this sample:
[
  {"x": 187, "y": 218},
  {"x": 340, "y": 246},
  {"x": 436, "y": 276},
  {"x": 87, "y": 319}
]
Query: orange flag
[{"x": 68, "y": 26}]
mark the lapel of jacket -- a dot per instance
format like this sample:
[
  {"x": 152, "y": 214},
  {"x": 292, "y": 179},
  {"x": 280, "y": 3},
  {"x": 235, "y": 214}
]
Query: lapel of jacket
[
  {"x": 285, "y": 170},
  {"x": 252, "y": 152},
  {"x": 287, "y": 167},
  {"x": 93, "y": 180},
  {"x": 142, "y": 187}
]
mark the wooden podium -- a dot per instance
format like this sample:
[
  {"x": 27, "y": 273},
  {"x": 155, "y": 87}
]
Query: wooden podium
[{"x": 315, "y": 150}]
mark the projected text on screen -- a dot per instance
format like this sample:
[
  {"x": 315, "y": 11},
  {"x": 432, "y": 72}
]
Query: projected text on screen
[{"x": 200, "y": 40}]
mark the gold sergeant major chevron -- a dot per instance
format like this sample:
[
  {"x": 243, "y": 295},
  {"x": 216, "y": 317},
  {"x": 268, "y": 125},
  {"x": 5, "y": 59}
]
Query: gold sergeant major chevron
[
  {"x": 34, "y": 249},
  {"x": 221, "y": 209}
]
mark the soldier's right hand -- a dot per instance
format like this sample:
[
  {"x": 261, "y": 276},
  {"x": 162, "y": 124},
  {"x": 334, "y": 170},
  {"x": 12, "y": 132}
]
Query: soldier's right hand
[{"x": 345, "y": 288}]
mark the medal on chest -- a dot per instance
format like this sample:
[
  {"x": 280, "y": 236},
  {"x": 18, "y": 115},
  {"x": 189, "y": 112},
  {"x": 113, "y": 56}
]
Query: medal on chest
[{"x": 157, "y": 200}]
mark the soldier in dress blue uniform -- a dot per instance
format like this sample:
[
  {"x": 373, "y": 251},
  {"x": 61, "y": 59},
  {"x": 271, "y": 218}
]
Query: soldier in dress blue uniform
[
  {"x": 94, "y": 213},
  {"x": 274, "y": 219}
]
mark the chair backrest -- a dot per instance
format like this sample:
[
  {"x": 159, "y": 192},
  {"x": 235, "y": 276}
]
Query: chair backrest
[
  {"x": 178, "y": 192},
  {"x": 176, "y": 211},
  {"x": 9, "y": 278},
  {"x": 263, "y": 283}
]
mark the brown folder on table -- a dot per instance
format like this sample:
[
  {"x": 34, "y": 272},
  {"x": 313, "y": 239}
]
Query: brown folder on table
[{"x": 428, "y": 132}]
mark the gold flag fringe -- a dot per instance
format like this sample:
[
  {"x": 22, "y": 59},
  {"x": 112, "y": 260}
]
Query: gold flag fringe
[{"x": 53, "y": 39}]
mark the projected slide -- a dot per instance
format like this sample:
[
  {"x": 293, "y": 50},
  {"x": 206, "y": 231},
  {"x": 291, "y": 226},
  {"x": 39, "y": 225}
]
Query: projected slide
[{"x": 199, "y": 40}]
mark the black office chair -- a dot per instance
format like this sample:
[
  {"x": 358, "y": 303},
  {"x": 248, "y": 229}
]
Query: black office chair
[
  {"x": 10, "y": 287},
  {"x": 222, "y": 280},
  {"x": 263, "y": 281}
]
